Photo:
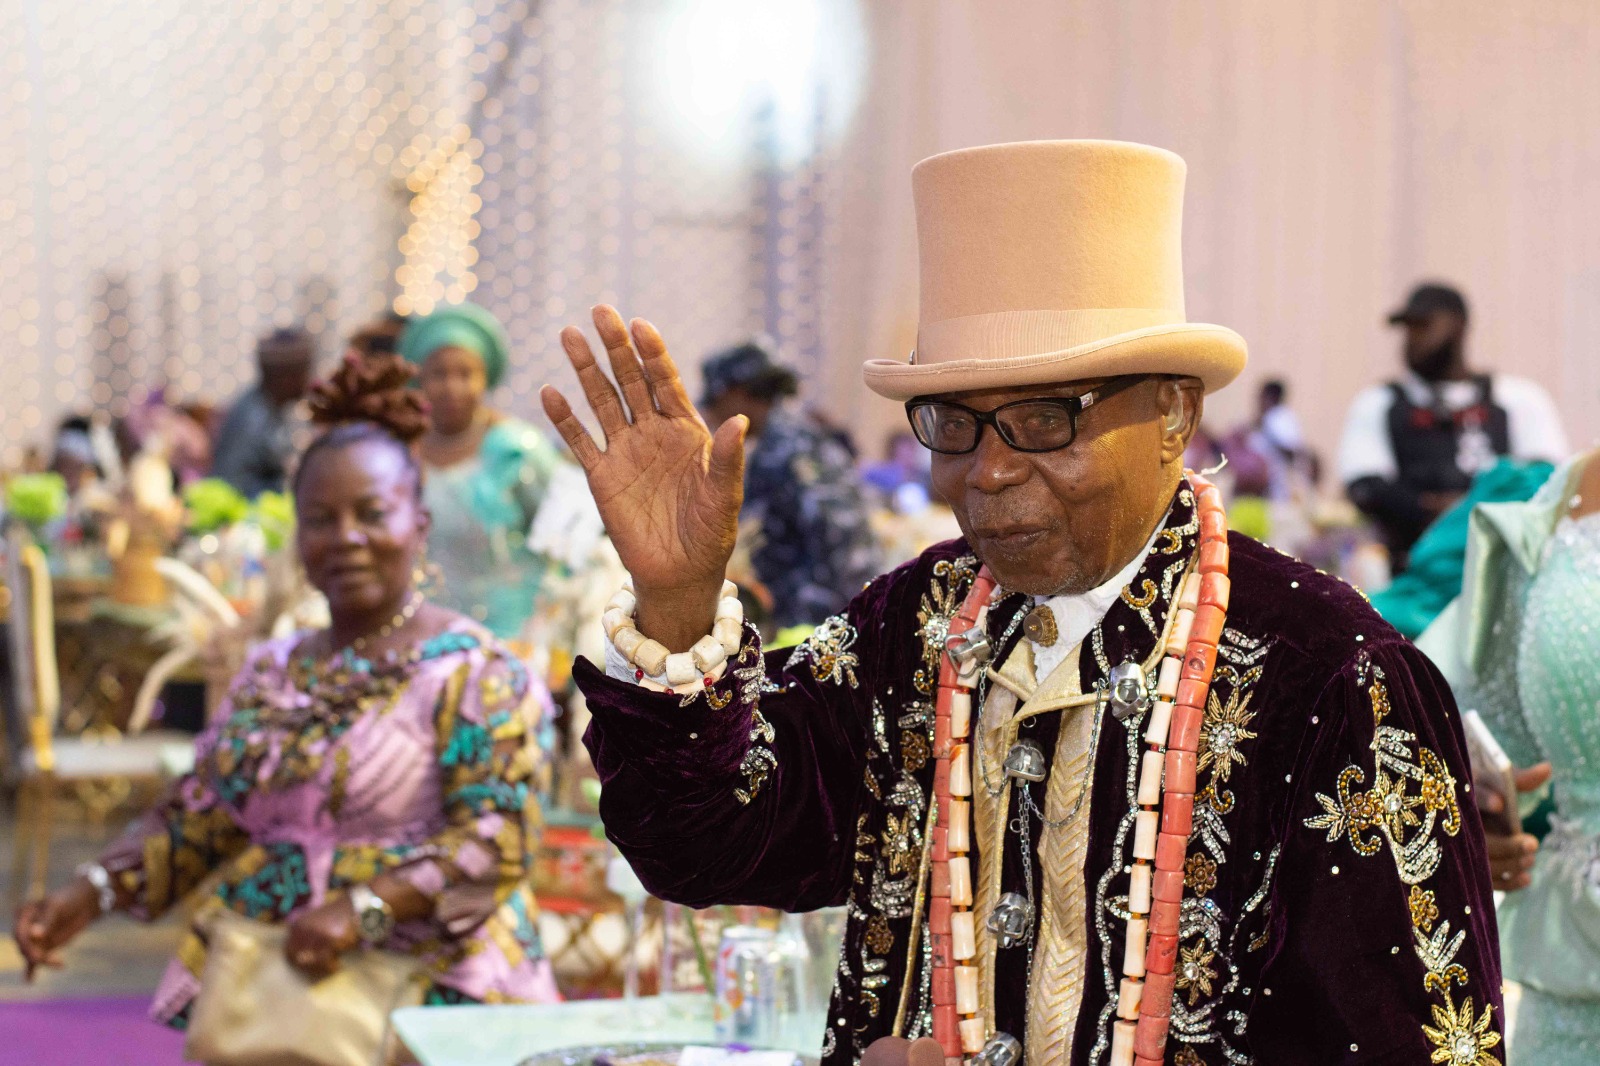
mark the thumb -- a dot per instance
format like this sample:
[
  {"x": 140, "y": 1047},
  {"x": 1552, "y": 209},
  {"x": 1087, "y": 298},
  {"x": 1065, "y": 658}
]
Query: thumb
[
  {"x": 1532, "y": 777},
  {"x": 726, "y": 468}
]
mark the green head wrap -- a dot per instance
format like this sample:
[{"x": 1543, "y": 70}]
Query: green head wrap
[{"x": 464, "y": 325}]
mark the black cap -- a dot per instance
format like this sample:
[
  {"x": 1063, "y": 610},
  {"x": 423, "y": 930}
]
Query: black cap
[
  {"x": 1428, "y": 299},
  {"x": 286, "y": 348},
  {"x": 748, "y": 366}
]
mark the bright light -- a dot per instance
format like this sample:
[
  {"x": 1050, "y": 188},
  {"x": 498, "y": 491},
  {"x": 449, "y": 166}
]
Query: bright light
[{"x": 722, "y": 62}]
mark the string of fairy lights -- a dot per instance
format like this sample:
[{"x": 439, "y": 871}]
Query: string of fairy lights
[{"x": 179, "y": 176}]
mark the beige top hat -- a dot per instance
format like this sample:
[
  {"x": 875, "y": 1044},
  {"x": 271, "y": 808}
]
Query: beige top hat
[{"x": 1050, "y": 261}]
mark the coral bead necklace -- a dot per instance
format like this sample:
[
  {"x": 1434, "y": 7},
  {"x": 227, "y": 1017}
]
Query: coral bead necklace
[{"x": 1162, "y": 823}]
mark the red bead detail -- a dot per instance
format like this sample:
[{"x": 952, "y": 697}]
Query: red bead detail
[
  {"x": 1157, "y": 998},
  {"x": 1214, "y": 557},
  {"x": 638, "y": 675},
  {"x": 941, "y": 777},
  {"x": 940, "y": 881},
  {"x": 1192, "y": 692},
  {"x": 943, "y": 818},
  {"x": 1164, "y": 918},
  {"x": 941, "y": 736},
  {"x": 1208, "y": 623},
  {"x": 1213, "y": 525},
  {"x": 941, "y": 844},
  {"x": 1177, "y": 813},
  {"x": 1210, "y": 498},
  {"x": 1214, "y": 589},
  {"x": 1170, "y": 850},
  {"x": 944, "y": 987},
  {"x": 1199, "y": 662},
  {"x": 1150, "y": 1040},
  {"x": 946, "y": 1030},
  {"x": 939, "y": 950},
  {"x": 1161, "y": 954},
  {"x": 947, "y": 674},
  {"x": 1183, "y": 733},
  {"x": 1142, "y": 1060},
  {"x": 939, "y": 915},
  {"x": 1178, "y": 774},
  {"x": 1167, "y": 885}
]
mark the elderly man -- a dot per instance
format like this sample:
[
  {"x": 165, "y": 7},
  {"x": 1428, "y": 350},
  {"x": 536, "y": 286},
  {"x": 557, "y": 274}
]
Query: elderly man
[{"x": 1098, "y": 783}]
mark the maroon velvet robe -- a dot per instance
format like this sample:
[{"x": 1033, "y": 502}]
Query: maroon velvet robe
[{"x": 1338, "y": 906}]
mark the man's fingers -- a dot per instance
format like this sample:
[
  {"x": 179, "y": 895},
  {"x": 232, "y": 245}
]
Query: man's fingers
[
  {"x": 925, "y": 1052},
  {"x": 727, "y": 460},
  {"x": 1521, "y": 846},
  {"x": 625, "y": 364},
  {"x": 661, "y": 372},
  {"x": 1489, "y": 801},
  {"x": 1532, "y": 777},
  {"x": 597, "y": 388},
  {"x": 887, "y": 1051},
  {"x": 559, "y": 412}
]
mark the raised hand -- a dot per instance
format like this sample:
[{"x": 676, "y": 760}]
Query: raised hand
[{"x": 668, "y": 489}]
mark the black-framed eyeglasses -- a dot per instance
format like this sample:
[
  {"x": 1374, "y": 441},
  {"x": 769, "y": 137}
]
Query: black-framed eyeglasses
[{"x": 1046, "y": 424}]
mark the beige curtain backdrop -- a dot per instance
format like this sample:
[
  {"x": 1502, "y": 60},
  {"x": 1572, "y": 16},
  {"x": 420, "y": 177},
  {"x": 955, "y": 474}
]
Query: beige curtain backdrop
[{"x": 1338, "y": 151}]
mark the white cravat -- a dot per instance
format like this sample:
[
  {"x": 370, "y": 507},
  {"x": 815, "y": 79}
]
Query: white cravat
[{"x": 1078, "y": 614}]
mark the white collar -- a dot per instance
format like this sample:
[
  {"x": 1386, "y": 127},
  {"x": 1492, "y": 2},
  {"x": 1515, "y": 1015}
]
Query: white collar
[{"x": 1077, "y": 614}]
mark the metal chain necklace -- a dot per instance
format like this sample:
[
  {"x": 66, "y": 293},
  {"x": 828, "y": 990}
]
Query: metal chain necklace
[{"x": 392, "y": 626}]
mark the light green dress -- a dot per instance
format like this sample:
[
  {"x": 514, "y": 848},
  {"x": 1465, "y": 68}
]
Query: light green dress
[
  {"x": 1522, "y": 646},
  {"x": 482, "y": 510}
]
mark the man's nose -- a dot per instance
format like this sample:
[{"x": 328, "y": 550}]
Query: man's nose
[{"x": 995, "y": 464}]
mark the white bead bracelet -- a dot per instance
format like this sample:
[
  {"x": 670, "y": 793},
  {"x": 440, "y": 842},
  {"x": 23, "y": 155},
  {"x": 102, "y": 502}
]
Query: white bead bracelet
[{"x": 684, "y": 672}]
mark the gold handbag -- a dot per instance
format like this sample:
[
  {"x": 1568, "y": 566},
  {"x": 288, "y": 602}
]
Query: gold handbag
[{"x": 254, "y": 1009}]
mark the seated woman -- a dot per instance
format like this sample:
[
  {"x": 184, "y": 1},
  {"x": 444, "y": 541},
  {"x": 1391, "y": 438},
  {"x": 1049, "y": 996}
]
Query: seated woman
[
  {"x": 488, "y": 475},
  {"x": 370, "y": 784}
]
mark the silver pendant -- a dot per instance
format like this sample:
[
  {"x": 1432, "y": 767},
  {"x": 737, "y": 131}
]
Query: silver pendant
[
  {"x": 1025, "y": 762},
  {"x": 970, "y": 649},
  {"x": 1128, "y": 693},
  {"x": 1001, "y": 1050},
  {"x": 1011, "y": 920}
]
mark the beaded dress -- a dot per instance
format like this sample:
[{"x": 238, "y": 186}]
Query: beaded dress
[{"x": 1521, "y": 646}]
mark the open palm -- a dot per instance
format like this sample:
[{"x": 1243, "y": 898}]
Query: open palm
[{"x": 668, "y": 489}]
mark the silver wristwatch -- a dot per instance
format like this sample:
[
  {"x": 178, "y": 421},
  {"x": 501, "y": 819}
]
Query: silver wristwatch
[
  {"x": 374, "y": 917},
  {"x": 100, "y": 881}
]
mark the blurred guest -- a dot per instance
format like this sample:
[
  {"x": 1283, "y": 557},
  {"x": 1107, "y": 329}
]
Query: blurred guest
[
  {"x": 906, "y": 464},
  {"x": 257, "y": 437},
  {"x": 171, "y": 430},
  {"x": 1278, "y": 437},
  {"x": 380, "y": 336},
  {"x": 73, "y": 454},
  {"x": 369, "y": 784},
  {"x": 814, "y": 547},
  {"x": 1411, "y": 447},
  {"x": 487, "y": 474},
  {"x": 1520, "y": 647}
]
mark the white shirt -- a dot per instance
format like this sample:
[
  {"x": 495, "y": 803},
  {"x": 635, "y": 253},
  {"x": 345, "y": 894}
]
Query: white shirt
[{"x": 1534, "y": 425}]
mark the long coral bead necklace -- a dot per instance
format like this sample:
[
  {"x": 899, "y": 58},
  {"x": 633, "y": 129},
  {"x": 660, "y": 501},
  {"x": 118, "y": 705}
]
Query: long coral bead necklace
[{"x": 1162, "y": 823}]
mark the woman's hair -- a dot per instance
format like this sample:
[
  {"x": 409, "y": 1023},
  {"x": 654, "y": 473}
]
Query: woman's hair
[{"x": 369, "y": 398}]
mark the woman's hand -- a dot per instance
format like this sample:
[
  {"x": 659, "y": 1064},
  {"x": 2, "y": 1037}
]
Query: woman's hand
[
  {"x": 44, "y": 926},
  {"x": 668, "y": 490},
  {"x": 1511, "y": 854},
  {"x": 319, "y": 936}
]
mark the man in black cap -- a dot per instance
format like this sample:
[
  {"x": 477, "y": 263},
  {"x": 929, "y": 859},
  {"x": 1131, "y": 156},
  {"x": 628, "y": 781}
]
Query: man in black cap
[
  {"x": 255, "y": 442},
  {"x": 814, "y": 548},
  {"x": 1411, "y": 447}
]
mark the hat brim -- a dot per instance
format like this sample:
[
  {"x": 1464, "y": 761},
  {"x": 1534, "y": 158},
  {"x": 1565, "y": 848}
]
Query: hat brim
[{"x": 1214, "y": 354}]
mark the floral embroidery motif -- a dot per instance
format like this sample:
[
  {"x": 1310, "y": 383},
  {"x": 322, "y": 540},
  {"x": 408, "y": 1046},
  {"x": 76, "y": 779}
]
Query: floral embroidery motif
[
  {"x": 828, "y": 649},
  {"x": 914, "y": 751},
  {"x": 1195, "y": 972},
  {"x": 1461, "y": 1039},
  {"x": 1226, "y": 726},
  {"x": 951, "y": 578},
  {"x": 1147, "y": 595},
  {"x": 1409, "y": 822},
  {"x": 1199, "y": 874},
  {"x": 759, "y": 761},
  {"x": 898, "y": 845},
  {"x": 1187, "y": 1056},
  {"x": 880, "y": 938},
  {"x": 1424, "y": 911}
]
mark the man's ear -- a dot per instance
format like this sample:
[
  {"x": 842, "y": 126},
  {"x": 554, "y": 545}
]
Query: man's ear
[{"x": 1179, "y": 402}]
